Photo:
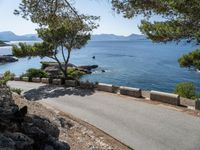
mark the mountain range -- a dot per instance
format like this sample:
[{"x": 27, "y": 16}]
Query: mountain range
[{"x": 10, "y": 36}]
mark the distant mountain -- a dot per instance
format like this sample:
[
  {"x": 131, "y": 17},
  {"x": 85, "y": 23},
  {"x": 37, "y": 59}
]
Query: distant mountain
[
  {"x": 112, "y": 37},
  {"x": 10, "y": 36}
]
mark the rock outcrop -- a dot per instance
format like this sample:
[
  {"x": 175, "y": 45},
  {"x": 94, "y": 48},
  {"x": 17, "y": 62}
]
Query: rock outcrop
[
  {"x": 53, "y": 69},
  {"x": 7, "y": 58},
  {"x": 19, "y": 130}
]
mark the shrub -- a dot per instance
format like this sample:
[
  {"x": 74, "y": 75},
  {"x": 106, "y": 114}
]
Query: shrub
[
  {"x": 17, "y": 90},
  {"x": 74, "y": 73},
  {"x": 34, "y": 73},
  {"x": 6, "y": 77},
  {"x": 187, "y": 90}
]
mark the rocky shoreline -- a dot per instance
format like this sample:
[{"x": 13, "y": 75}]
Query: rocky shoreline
[
  {"x": 7, "y": 58},
  {"x": 53, "y": 70}
]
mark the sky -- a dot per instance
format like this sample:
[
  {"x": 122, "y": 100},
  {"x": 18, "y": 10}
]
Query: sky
[{"x": 110, "y": 22}]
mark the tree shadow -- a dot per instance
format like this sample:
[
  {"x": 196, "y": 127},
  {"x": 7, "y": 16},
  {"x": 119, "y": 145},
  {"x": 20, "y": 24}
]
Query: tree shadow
[{"x": 53, "y": 91}]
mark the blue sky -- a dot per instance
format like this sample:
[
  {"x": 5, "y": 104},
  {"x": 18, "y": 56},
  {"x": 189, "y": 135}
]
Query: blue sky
[{"x": 110, "y": 22}]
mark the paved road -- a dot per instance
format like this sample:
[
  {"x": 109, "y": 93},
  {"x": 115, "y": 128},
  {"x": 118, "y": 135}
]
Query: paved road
[{"x": 140, "y": 125}]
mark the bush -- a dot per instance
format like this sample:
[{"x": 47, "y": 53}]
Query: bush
[
  {"x": 17, "y": 90},
  {"x": 6, "y": 77},
  {"x": 74, "y": 73},
  {"x": 187, "y": 90},
  {"x": 34, "y": 73}
]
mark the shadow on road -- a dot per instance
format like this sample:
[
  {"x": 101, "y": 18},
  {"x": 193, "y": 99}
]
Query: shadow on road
[{"x": 52, "y": 91}]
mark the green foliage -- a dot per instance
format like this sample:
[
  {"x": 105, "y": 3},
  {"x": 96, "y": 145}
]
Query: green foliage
[
  {"x": 74, "y": 73},
  {"x": 17, "y": 90},
  {"x": 191, "y": 59},
  {"x": 6, "y": 77},
  {"x": 187, "y": 90},
  {"x": 43, "y": 11},
  {"x": 180, "y": 18},
  {"x": 61, "y": 29},
  {"x": 34, "y": 73}
]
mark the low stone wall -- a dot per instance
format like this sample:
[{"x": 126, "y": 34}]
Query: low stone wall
[
  {"x": 129, "y": 91},
  {"x": 37, "y": 80},
  {"x": 105, "y": 87},
  {"x": 165, "y": 97},
  {"x": 45, "y": 80},
  {"x": 57, "y": 81},
  {"x": 197, "y": 104},
  {"x": 16, "y": 78},
  {"x": 70, "y": 83},
  {"x": 134, "y": 92},
  {"x": 26, "y": 79}
]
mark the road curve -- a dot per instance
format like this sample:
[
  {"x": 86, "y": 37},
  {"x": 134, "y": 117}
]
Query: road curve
[{"x": 140, "y": 125}]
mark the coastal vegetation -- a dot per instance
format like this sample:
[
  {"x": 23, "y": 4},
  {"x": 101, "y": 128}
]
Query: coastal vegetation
[
  {"x": 187, "y": 90},
  {"x": 62, "y": 29},
  {"x": 6, "y": 77},
  {"x": 34, "y": 73}
]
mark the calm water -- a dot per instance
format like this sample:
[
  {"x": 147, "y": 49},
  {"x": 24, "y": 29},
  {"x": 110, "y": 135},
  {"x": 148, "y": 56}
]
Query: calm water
[{"x": 137, "y": 64}]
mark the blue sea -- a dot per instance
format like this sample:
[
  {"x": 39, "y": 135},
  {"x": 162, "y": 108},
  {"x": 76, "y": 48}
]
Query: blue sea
[{"x": 139, "y": 63}]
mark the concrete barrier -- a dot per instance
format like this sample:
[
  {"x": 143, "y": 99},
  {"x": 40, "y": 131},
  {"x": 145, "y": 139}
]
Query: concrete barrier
[
  {"x": 26, "y": 79},
  {"x": 17, "y": 78},
  {"x": 70, "y": 83},
  {"x": 197, "y": 104},
  {"x": 57, "y": 81},
  {"x": 87, "y": 85},
  {"x": 45, "y": 80},
  {"x": 105, "y": 87},
  {"x": 37, "y": 80},
  {"x": 134, "y": 92},
  {"x": 165, "y": 97}
]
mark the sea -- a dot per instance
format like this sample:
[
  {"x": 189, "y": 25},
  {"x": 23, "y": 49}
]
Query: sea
[{"x": 140, "y": 63}]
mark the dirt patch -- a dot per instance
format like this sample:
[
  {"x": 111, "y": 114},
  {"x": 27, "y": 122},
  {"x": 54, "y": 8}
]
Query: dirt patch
[{"x": 78, "y": 134}]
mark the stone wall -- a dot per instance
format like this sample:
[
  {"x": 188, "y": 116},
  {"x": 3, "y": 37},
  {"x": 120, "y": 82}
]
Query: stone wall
[{"x": 19, "y": 130}]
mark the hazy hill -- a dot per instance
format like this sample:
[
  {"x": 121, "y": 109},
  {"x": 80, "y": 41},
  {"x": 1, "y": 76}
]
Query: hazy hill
[
  {"x": 112, "y": 37},
  {"x": 10, "y": 36}
]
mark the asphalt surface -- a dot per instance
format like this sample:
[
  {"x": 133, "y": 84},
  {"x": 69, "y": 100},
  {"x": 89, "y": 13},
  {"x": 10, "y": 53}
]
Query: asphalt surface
[{"x": 140, "y": 125}]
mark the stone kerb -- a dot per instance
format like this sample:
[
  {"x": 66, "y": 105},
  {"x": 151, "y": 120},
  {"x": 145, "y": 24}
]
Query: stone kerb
[
  {"x": 169, "y": 98},
  {"x": 70, "y": 83},
  {"x": 133, "y": 92},
  {"x": 26, "y": 79},
  {"x": 45, "y": 80},
  {"x": 57, "y": 81},
  {"x": 37, "y": 80},
  {"x": 105, "y": 87}
]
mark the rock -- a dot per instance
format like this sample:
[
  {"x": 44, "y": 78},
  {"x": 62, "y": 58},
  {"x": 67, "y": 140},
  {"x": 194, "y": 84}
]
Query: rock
[
  {"x": 88, "y": 67},
  {"x": 93, "y": 57},
  {"x": 21, "y": 141},
  {"x": 19, "y": 130},
  {"x": 103, "y": 71},
  {"x": 7, "y": 58},
  {"x": 48, "y": 147},
  {"x": 6, "y": 143}
]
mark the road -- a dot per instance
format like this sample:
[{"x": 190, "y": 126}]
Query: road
[{"x": 140, "y": 125}]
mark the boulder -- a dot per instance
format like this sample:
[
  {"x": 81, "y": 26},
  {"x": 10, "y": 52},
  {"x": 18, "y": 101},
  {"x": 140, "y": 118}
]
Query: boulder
[
  {"x": 88, "y": 67},
  {"x": 19, "y": 130}
]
